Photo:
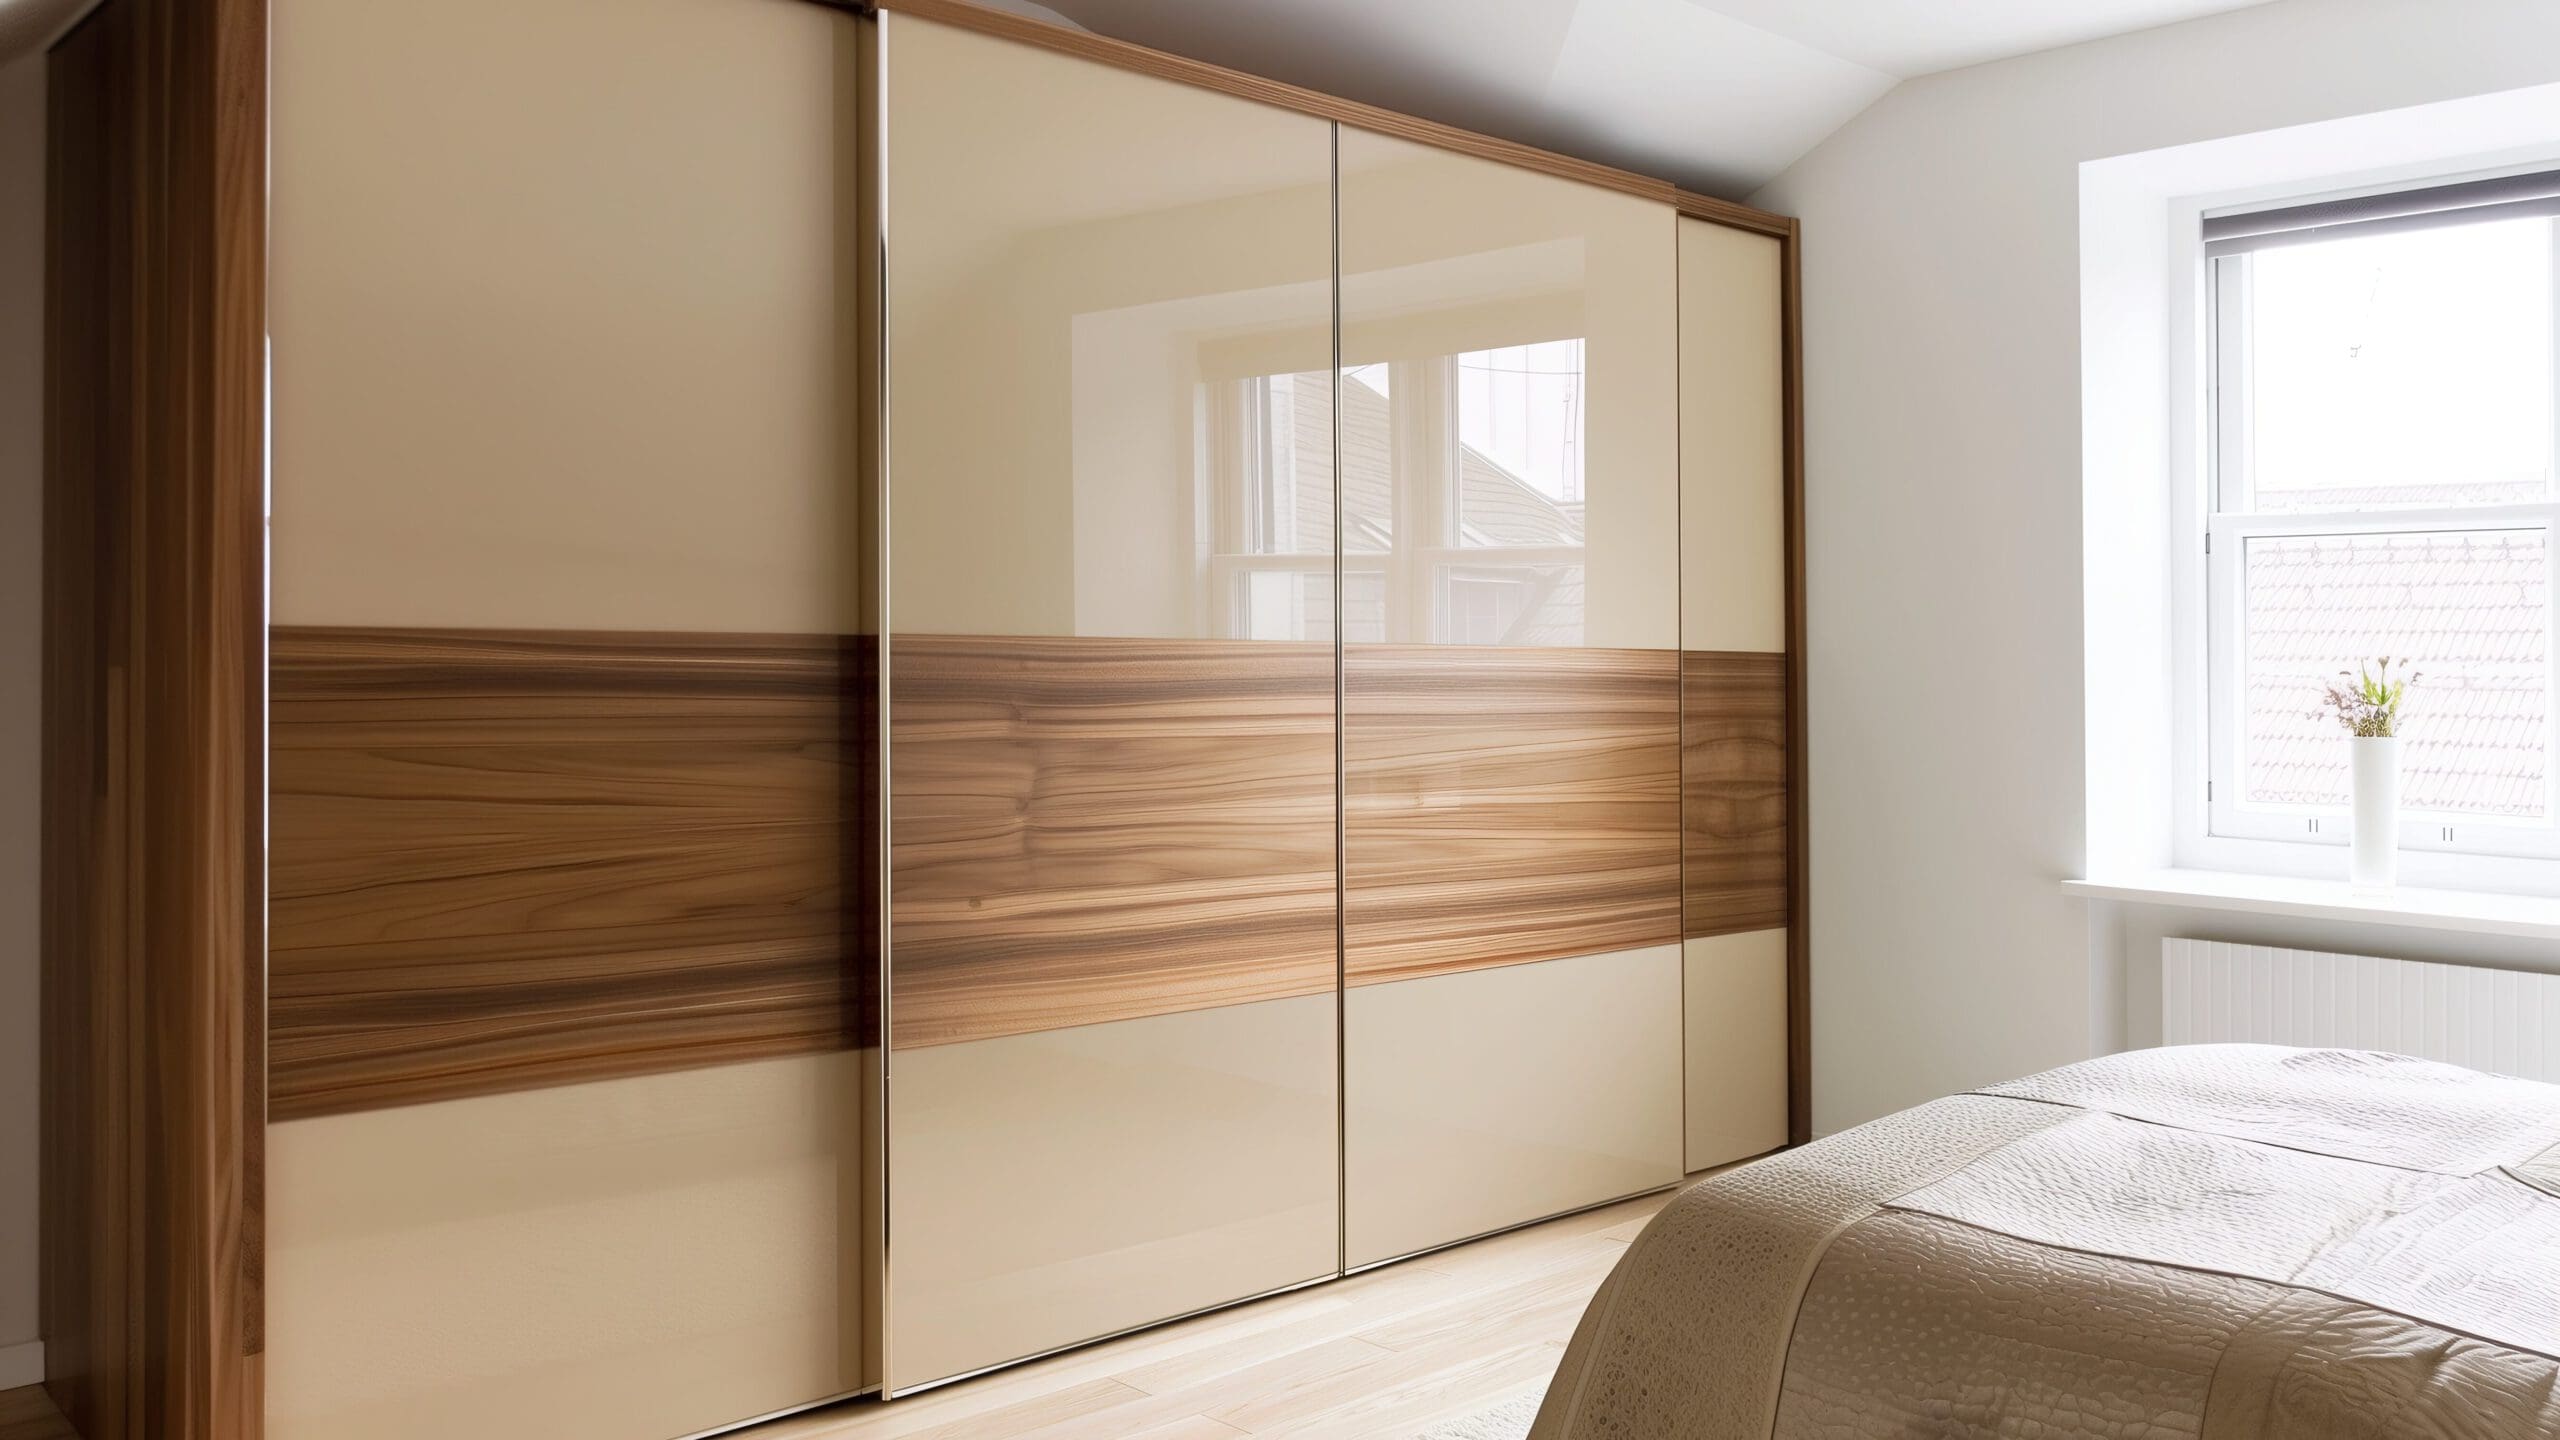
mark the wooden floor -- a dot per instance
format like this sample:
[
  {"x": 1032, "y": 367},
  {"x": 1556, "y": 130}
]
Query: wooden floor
[
  {"x": 1383, "y": 1355},
  {"x": 27, "y": 1414}
]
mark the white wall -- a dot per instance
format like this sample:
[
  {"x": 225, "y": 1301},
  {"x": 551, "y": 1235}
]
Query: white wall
[
  {"x": 21, "y": 552},
  {"x": 1941, "y": 308}
]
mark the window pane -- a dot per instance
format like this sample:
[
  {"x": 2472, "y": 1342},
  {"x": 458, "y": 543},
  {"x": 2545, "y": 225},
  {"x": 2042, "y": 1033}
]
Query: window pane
[
  {"x": 1368, "y": 461},
  {"x": 1520, "y": 407},
  {"x": 2471, "y": 611},
  {"x": 1364, "y": 607},
  {"x": 1283, "y": 605},
  {"x": 1292, "y": 502},
  {"x": 1521, "y": 604},
  {"x": 2407, "y": 369}
]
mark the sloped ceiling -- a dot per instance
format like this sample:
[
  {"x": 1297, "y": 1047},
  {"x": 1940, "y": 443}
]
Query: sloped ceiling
[{"x": 1718, "y": 95}]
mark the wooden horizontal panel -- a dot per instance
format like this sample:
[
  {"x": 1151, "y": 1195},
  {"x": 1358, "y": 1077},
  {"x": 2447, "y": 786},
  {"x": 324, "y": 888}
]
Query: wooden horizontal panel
[
  {"x": 1089, "y": 829},
  {"x": 506, "y": 859},
  {"x": 1733, "y": 791},
  {"x": 1507, "y": 804},
  {"x": 1201, "y": 74}
]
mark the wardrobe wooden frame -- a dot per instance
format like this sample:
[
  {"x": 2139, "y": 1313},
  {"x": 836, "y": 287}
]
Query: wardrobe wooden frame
[
  {"x": 158, "y": 1069},
  {"x": 154, "y": 1008}
]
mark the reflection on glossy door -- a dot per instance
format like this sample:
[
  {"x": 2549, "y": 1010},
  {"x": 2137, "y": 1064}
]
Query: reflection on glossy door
[
  {"x": 1510, "y": 615},
  {"x": 1509, "y": 424},
  {"x": 1110, "y": 517}
]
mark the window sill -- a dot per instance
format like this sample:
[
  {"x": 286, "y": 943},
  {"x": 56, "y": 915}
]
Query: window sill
[{"x": 2474, "y": 912}]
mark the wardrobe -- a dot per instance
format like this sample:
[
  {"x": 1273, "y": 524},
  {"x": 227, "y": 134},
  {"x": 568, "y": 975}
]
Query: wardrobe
[{"x": 939, "y": 688}]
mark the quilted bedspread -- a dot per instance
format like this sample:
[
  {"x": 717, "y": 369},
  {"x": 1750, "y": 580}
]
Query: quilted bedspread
[{"x": 2219, "y": 1241}]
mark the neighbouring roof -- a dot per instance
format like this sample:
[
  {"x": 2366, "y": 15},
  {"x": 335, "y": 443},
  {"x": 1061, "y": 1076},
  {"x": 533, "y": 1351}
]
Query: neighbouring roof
[{"x": 2470, "y": 610}]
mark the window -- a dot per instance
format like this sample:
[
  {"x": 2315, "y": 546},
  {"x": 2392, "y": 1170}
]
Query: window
[
  {"x": 2381, "y": 412},
  {"x": 1461, "y": 499},
  {"x": 1463, "y": 492},
  {"x": 1271, "y": 562}
]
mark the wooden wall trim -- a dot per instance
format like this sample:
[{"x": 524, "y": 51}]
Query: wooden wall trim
[
  {"x": 1094, "y": 829},
  {"x": 154, "y": 573},
  {"x": 512, "y": 859},
  {"x": 1182, "y": 70},
  {"x": 1507, "y": 804}
]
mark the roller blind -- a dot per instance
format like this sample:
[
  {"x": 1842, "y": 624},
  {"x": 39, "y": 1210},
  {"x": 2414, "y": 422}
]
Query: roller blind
[{"x": 2505, "y": 197}]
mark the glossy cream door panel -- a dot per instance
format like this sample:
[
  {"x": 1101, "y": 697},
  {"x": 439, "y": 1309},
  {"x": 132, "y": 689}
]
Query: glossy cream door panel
[
  {"x": 1109, "y": 479},
  {"x": 1487, "y": 1098},
  {"x": 1510, "y": 479},
  {"x": 1080, "y": 260},
  {"x": 1733, "y": 552},
  {"x": 560, "y": 316},
  {"x": 1734, "y": 1000},
  {"x": 563, "y": 330},
  {"x": 1509, "y": 405},
  {"x": 641, "y": 1257},
  {"x": 1053, "y": 1187}
]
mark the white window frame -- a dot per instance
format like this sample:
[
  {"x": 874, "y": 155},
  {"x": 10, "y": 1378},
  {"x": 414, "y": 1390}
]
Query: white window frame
[{"x": 2467, "y": 851}]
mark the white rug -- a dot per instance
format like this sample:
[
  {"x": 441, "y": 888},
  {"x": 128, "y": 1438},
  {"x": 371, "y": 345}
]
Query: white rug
[{"x": 1506, "y": 1421}]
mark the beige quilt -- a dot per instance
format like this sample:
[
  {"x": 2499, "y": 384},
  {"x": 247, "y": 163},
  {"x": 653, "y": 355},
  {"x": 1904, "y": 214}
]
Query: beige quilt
[{"x": 2220, "y": 1241}]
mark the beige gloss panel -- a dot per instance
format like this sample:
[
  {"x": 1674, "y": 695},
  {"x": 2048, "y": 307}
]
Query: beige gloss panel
[
  {"x": 1503, "y": 491},
  {"x": 1054, "y": 1187},
  {"x": 1734, "y": 1003},
  {"x": 1488, "y": 1098},
  {"x": 561, "y": 311},
  {"x": 622, "y": 1260},
  {"x": 1084, "y": 265},
  {"x": 1733, "y": 555}
]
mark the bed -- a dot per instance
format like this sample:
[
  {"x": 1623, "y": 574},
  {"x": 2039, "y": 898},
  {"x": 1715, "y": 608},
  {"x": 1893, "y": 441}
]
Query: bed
[{"x": 2219, "y": 1241}]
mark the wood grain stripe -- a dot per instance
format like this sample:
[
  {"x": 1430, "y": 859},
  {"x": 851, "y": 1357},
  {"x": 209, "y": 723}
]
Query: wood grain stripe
[
  {"x": 1092, "y": 829},
  {"x": 1507, "y": 805},
  {"x": 1733, "y": 792},
  {"x": 1183, "y": 70},
  {"x": 514, "y": 859}
]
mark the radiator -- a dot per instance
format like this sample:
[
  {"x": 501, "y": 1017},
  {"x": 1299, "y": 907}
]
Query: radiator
[{"x": 2506, "y": 1021}]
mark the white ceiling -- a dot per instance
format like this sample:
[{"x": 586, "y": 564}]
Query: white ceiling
[{"x": 1719, "y": 95}]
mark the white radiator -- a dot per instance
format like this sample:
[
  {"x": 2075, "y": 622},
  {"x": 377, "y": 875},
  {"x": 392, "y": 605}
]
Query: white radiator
[{"x": 2506, "y": 1021}]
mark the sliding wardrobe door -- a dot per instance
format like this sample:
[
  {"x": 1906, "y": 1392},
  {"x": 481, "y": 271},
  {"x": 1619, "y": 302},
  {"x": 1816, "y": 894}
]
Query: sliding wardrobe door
[
  {"x": 1511, "y": 920},
  {"x": 1110, "y": 661},
  {"x": 568, "y": 1040},
  {"x": 1733, "y": 691}
]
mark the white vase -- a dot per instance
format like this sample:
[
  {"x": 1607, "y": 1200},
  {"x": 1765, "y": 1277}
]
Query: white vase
[{"x": 2374, "y": 844}]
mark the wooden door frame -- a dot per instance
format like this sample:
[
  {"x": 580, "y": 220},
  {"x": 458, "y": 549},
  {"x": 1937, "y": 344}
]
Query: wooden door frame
[{"x": 154, "y": 664}]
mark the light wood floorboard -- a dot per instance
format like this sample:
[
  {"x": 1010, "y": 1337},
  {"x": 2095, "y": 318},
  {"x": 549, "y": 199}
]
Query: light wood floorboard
[{"x": 1383, "y": 1355}]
